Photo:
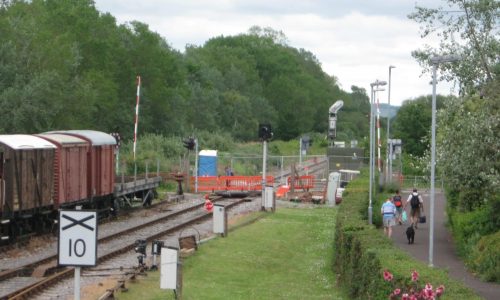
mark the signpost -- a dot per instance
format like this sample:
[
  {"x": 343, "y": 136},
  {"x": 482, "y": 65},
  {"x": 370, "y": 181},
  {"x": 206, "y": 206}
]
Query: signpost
[{"x": 77, "y": 245}]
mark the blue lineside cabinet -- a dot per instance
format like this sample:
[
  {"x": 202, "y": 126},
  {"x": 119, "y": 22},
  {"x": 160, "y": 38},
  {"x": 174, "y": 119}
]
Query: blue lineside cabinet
[{"x": 207, "y": 163}]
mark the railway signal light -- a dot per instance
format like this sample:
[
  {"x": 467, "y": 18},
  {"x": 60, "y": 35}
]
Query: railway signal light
[
  {"x": 117, "y": 137},
  {"x": 156, "y": 247},
  {"x": 156, "y": 250},
  {"x": 189, "y": 143},
  {"x": 265, "y": 132},
  {"x": 140, "y": 247}
]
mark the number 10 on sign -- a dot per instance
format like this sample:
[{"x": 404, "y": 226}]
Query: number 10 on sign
[{"x": 77, "y": 238}]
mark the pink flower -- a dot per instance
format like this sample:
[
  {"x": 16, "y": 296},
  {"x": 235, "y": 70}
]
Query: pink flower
[
  {"x": 413, "y": 292},
  {"x": 428, "y": 292},
  {"x": 387, "y": 276},
  {"x": 440, "y": 291},
  {"x": 414, "y": 275}
]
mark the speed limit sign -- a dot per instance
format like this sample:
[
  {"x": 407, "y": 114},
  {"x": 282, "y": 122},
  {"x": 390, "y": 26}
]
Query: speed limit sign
[{"x": 77, "y": 245}]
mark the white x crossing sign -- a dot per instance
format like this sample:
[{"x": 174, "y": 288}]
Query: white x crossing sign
[{"x": 77, "y": 238}]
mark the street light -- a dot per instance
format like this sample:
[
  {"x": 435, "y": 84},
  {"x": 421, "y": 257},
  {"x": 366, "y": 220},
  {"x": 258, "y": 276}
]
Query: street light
[
  {"x": 389, "y": 159},
  {"x": 376, "y": 84},
  {"x": 436, "y": 60}
]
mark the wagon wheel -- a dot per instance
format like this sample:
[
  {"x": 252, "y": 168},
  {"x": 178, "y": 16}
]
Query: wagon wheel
[{"x": 147, "y": 198}]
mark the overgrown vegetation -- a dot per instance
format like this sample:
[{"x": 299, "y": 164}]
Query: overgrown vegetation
[{"x": 362, "y": 253}]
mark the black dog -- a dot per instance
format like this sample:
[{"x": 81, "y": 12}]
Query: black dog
[{"x": 410, "y": 234}]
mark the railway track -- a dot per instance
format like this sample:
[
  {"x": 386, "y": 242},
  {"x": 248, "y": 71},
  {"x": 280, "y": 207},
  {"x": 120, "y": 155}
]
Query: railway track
[
  {"x": 24, "y": 240},
  {"x": 310, "y": 167},
  {"x": 23, "y": 282}
]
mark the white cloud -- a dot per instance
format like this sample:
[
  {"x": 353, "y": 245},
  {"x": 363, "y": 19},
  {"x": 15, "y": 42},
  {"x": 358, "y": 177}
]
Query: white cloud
[{"x": 350, "y": 42}]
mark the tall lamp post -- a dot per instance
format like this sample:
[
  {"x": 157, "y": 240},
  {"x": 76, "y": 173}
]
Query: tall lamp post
[
  {"x": 375, "y": 84},
  {"x": 389, "y": 158},
  {"x": 436, "y": 60}
]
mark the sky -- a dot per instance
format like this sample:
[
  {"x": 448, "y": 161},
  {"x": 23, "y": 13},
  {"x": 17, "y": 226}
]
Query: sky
[{"x": 354, "y": 40}]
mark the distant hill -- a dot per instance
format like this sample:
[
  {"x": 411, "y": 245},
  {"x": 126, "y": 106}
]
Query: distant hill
[{"x": 388, "y": 110}]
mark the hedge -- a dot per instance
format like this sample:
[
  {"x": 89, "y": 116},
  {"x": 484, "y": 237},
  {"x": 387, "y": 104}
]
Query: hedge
[{"x": 363, "y": 252}]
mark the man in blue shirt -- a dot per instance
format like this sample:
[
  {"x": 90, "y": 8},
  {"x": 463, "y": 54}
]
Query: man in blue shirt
[{"x": 388, "y": 211}]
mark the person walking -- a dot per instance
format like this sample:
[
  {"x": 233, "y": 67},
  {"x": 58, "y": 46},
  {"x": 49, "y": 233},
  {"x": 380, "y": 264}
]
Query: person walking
[
  {"x": 398, "y": 202},
  {"x": 417, "y": 207},
  {"x": 388, "y": 211}
]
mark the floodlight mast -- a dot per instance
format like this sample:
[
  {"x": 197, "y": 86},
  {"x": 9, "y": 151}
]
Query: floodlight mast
[
  {"x": 332, "y": 128},
  {"x": 336, "y": 106}
]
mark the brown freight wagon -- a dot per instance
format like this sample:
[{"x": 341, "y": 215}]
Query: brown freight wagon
[
  {"x": 26, "y": 179},
  {"x": 101, "y": 165},
  {"x": 70, "y": 168}
]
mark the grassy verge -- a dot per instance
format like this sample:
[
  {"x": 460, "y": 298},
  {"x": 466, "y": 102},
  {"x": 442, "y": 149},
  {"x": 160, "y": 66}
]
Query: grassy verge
[{"x": 285, "y": 255}]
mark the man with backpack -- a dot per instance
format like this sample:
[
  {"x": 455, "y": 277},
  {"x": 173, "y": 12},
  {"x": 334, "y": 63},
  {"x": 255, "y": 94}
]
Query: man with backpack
[
  {"x": 398, "y": 202},
  {"x": 417, "y": 207}
]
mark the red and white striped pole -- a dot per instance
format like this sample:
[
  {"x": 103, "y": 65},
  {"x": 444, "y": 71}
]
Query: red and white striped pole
[
  {"x": 379, "y": 145},
  {"x": 137, "y": 112}
]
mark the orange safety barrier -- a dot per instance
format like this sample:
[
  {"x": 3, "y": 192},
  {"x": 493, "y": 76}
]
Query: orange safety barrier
[
  {"x": 304, "y": 182},
  {"x": 230, "y": 183},
  {"x": 282, "y": 190}
]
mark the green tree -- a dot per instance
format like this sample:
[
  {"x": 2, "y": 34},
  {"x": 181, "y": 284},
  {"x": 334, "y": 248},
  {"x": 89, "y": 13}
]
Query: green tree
[
  {"x": 412, "y": 124},
  {"x": 468, "y": 28},
  {"x": 65, "y": 65},
  {"x": 469, "y": 139}
]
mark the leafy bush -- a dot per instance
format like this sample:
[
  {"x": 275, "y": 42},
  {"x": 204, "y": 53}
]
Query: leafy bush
[
  {"x": 468, "y": 228},
  {"x": 391, "y": 187},
  {"x": 478, "y": 240},
  {"x": 486, "y": 257}
]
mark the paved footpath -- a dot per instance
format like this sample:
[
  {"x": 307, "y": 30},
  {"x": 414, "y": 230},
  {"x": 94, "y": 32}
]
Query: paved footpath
[{"x": 444, "y": 249}]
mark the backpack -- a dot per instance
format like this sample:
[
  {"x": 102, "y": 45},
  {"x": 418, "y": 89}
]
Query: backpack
[
  {"x": 415, "y": 201},
  {"x": 397, "y": 201}
]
